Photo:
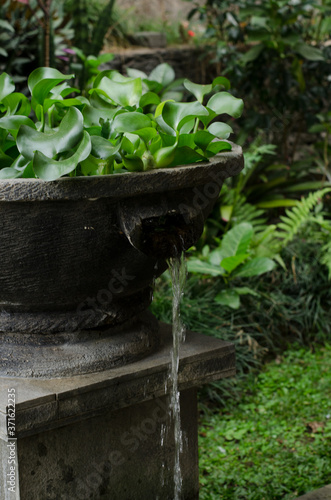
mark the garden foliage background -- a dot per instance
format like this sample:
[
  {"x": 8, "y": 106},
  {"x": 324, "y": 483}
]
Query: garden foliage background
[{"x": 260, "y": 274}]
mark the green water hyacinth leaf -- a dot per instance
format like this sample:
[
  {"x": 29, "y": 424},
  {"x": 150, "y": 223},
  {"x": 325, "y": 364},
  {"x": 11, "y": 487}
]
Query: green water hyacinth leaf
[
  {"x": 221, "y": 80},
  {"x": 133, "y": 163},
  {"x": 149, "y": 98},
  {"x": 217, "y": 147},
  {"x": 96, "y": 166},
  {"x": 136, "y": 73},
  {"x": 146, "y": 134},
  {"x": 164, "y": 156},
  {"x": 203, "y": 138},
  {"x": 223, "y": 102},
  {"x": 130, "y": 122},
  {"x": 92, "y": 115},
  {"x": 42, "y": 80},
  {"x": 13, "y": 123},
  {"x": 5, "y": 160},
  {"x": 65, "y": 103},
  {"x": 49, "y": 170},
  {"x": 220, "y": 130},
  {"x": 9, "y": 173},
  {"x": 6, "y": 86},
  {"x": 176, "y": 114},
  {"x": 17, "y": 104},
  {"x": 127, "y": 93},
  {"x": 163, "y": 74},
  {"x": 67, "y": 136},
  {"x": 102, "y": 148},
  {"x": 199, "y": 91},
  {"x": 185, "y": 156}
]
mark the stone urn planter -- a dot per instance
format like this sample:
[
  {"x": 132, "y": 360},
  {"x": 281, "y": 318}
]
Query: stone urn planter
[{"x": 78, "y": 258}]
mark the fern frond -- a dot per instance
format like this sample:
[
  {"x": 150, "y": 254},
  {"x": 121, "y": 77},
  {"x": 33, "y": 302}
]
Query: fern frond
[{"x": 298, "y": 216}]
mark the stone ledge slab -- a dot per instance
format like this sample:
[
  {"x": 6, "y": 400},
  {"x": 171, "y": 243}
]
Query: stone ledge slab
[{"x": 42, "y": 405}]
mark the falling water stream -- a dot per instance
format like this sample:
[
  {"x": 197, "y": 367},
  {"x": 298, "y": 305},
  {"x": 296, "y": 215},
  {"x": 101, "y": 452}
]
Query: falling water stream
[{"x": 177, "y": 269}]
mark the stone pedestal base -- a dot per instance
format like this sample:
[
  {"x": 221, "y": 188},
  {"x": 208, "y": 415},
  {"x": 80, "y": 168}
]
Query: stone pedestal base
[{"x": 107, "y": 435}]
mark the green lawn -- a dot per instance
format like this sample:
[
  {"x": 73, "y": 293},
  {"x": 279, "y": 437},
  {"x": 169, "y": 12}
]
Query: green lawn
[{"x": 276, "y": 443}]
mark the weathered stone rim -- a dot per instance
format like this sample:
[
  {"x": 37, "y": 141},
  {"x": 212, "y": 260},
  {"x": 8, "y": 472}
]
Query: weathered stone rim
[{"x": 119, "y": 186}]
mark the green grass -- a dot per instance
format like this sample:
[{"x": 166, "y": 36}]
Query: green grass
[{"x": 276, "y": 443}]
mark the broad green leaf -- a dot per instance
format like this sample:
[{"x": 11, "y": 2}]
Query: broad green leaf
[
  {"x": 133, "y": 163},
  {"x": 185, "y": 156},
  {"x": 228, "y": 298},
  {"x": 49, "y": 170},
  {"x": 202, "y": 138},
  {"x": 42, "y": 80},
  {"x": 17, "y": 103},
  {"x": 309, "y": 52},
  {"x": 102, "y": 148},
  {"x": 165, "y": 156},
  {"x": 67, "y": 136},
  {"x": 130, "y": 122},
  {"x": 255, "y": 267},
  {"x": 217, "y": 147},
  {"x": 147, "y": 134},
  {"x": 220, "y": 130},
  {"x": 208, "y": 118},
  {"x": 163, "y": 73},
  {"x": 176, "y": 114},
  {"x": 198, "y": 266},
  {"x": 223, "y": 102},
  {"x": 9, "y": 173},
  {"x": 149, "y": 98},
  {"x": 96, "y": 166},
  {"x": 186, "y": 140},
  {"x": 136, "y": 73},
  {"x": 127, "y": 93},
  {"x": 231, "y": 263},
  {"x": 199, "y": 91},
  {"x": 92, "y": 116},
  {"x": 237, "y": 240},
  {"x": 13, "y": 123},
  {"x": 215, "y": 257},
  {"x": 64, "y": 103},
  {"x": 221, "y": 80},
  {"x": 6, "y": 86}
]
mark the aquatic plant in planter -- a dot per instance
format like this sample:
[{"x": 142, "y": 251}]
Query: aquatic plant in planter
[
  {"x": 113, "y": 131},
  {"x": 79, "y": 253}
]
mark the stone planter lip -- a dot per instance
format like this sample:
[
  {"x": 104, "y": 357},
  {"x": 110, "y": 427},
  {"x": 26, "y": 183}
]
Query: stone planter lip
[{"x": 123, "y": 185}]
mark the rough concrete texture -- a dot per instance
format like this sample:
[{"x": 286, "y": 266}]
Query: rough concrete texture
[
  {"x": 123, "y": 455},
  {"x": 321, "y": 494}
]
